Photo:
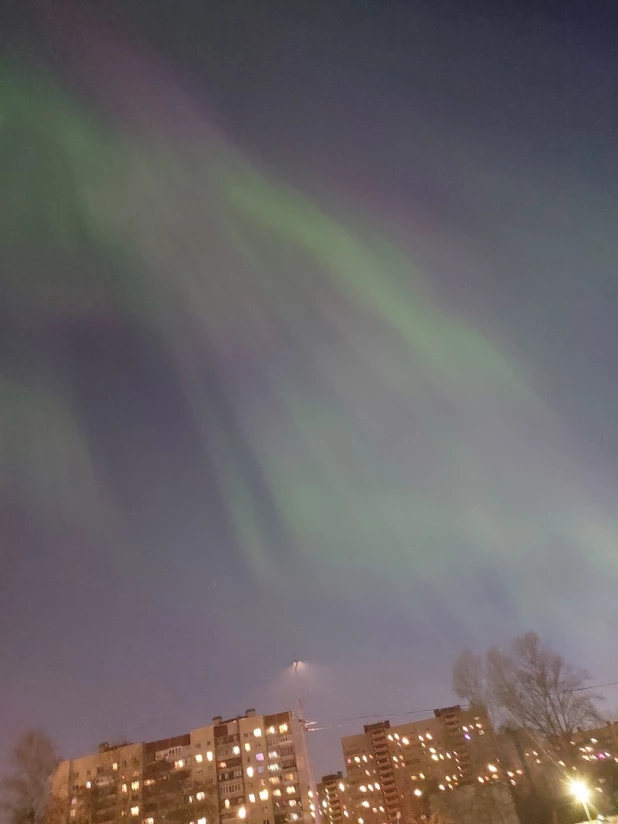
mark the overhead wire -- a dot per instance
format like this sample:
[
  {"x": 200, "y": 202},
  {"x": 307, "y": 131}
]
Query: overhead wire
[{"x": 326, "y": 724}]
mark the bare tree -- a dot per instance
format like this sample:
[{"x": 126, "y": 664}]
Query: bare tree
[
  {"x": 470, "y": 679},
  {"x": 541, "y": 692},
  {"x": 531, "y": 687},
  {"x": 26, "y": 789},
  {"x": 476, "y": 804}
]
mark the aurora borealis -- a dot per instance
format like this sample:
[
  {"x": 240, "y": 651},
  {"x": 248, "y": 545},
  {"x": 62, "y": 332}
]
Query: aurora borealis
[{"x": 262, "y": 408}]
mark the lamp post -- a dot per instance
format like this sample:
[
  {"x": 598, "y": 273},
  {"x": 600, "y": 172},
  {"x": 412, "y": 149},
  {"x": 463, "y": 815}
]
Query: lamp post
[
  {"x": 299, "y": 699},
  {"x": 581, "y": 793},
  {"x": 303, "y": 728}
]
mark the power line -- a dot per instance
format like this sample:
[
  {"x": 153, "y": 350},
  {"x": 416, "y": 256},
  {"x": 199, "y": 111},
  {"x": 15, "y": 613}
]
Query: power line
[
  {"x": 325, "y": 724},
  {"x": 343, "y": 721},
  {"x": 597, "y": 686}
]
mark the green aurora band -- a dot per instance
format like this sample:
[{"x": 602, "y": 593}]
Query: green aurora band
[{"x": 396, "y": 443}]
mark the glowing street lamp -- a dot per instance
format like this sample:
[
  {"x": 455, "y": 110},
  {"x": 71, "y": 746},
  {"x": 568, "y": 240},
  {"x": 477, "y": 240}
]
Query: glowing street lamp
[{"x": 581, "y": 793}]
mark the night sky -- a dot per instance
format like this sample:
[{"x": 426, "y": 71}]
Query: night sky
[{"x": 308, "y": 351}]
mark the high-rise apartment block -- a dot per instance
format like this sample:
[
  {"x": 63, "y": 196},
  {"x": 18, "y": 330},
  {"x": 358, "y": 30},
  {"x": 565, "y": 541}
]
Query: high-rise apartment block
[
  {"x": 252, "y": 767},
  {"x": 333, "y": 799},
  {"x": 393, "y": 770}
]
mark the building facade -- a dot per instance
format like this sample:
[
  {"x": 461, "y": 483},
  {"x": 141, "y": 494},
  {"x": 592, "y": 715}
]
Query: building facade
[
  {"x": 393, "y": 771},
  {"x": 252, "y": 767},
  {"x": 333, "y": 799}
]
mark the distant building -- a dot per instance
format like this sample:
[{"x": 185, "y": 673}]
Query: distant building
[
  {"x": 598, "y": 744},
  {"x": 394, "y": 770},
  {"x": 333, "y": 799},
  {"x": 253, "y": 768}
]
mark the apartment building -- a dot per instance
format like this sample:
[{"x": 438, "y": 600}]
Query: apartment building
[
  {"x": 251, "y": 767},
  {"x": 598, "y": 744},
  {"x": 333, "y": 799},
  {"x": 392, "y": 771}
]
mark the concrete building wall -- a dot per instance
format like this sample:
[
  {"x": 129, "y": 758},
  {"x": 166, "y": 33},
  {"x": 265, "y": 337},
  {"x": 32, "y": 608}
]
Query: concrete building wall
[
  {"x": 251, "y": 768},
  {"x": 394, "y": 770}
]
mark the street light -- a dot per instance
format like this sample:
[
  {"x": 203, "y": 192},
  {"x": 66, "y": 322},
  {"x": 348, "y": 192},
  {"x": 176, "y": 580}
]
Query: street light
[
  {"x": 581, "y": 793},
  {"x": 297, "y": 664},
  {"x": 303, "y": 726}
]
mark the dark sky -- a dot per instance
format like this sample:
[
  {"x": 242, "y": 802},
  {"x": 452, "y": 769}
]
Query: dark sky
[{"x": 485, "y": 139}]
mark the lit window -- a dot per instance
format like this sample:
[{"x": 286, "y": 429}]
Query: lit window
[
  {"x": 89, "y": 785},
  {"x": 115, "y": 765},
  {"x": 277, "y": 792},
  {"x": 199, "y": 757},
  {"x": 209, "y": 755},
  {"x": 362, "y": 788},
  {"x": 134, "y": 810},
  {"x": 294, "y": 817},
  {"x": 376, "y": 785},
  {"x": 283, "y": 727},
  {"x": 405, "y": 741},
  {"x": 342, "y": 786},
  {"x": 252, "y": 797},
  {"x": 135, "y": 785},
  {"x": 429, "y": 736},
  {"x": 442, "y": 787},
  {"x": 201, "y": 821},
  {"x": 491, "y": 768},
  {"x": 124, "y": 788},
  {"x": 227, "y": 803},
  {"x": 263, "y": 795},
  {"x": 201, "y": 796},
  {"x": 292, "y": 802},
  {"x": 149, "y": 821},
  {"x": 259, "y": 756},
  {"x": 357, "y": 759},
  {"x": 242, "y": 812},
  {"x": 257, "y": 732},
  {"x": 248, "y": 747},
  {"x": 272, "y": 754},
  {"x": 73, "y": 813},
  {"x": 290, "y": 790},
  {"x": 435, "y": 757},
  {"x": 271, "y": 730},
  {"x": 365, "y": 804},
  {"x": 250, "y": 772},
  {"x": 179, "y": 764},
  {"x": 370, "y": 786},
  {"x": 418, "y": 792},
  {"x": 236, "y": 750}
]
